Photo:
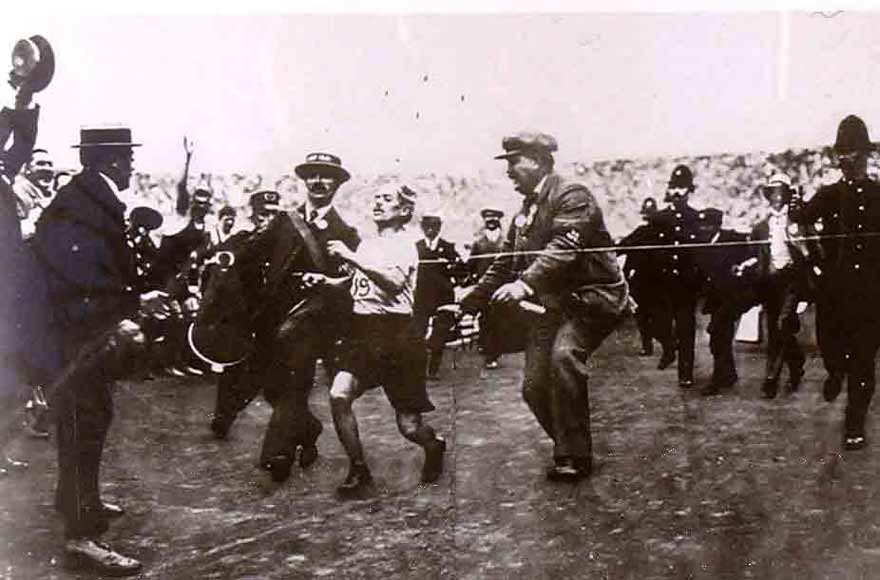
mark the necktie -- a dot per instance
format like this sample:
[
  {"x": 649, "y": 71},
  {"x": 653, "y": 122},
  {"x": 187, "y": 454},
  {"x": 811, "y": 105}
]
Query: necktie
[{"x": 313, "y": 215}]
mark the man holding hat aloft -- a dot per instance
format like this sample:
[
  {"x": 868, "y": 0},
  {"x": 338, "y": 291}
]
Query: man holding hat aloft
[
  {"x": 681, "y": 279},
  {"x": 782, "y": 267},
  {"x": 489, "y": 241},
  {"x": 556, "y": 257},
  {"x": 439, "y": 267},
  {"x": 852, "y": 279}
]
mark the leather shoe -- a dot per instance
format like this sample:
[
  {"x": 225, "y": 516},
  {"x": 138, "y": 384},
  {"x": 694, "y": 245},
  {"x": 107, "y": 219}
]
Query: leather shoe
[
  {"x": 686, "y": 383},
  {"x": 279, "y": 468},
  {"x": 308, "y": 456},
  {"x": 832, "y": 387},
  {"x": 770, "y": 388},
  {"x": 433, "y": 467},
  {"x": 794, "y": 381},
  {"x": 569, "y": 469},
  {"x": 666, "y": 359},
  {"x": 220, "y": 426},
  {"x": 854, "y": 442},
  {"x": 87, "y": 554},
  {"x": 111, "y": 510},
  {"x": 357, "y": 484}
]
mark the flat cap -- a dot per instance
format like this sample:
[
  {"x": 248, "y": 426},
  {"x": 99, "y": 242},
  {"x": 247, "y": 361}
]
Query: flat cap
[
  {"x": 527, "y": 142},
  {"x": 490, "y": 212}
]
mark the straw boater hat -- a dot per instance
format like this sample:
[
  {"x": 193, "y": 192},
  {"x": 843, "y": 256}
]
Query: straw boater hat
[
  {"x": 325, "y": 163},
  {"x": 105, "y": 137},
  {"x": 778, "y": 181}
]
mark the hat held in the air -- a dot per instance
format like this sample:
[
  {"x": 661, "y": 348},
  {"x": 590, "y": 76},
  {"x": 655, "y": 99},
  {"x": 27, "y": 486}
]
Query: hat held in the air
[
  {"x": 525, "y": 143},
  {"x": 852, "y": 136},
  {"x": 323, "y": 164}
]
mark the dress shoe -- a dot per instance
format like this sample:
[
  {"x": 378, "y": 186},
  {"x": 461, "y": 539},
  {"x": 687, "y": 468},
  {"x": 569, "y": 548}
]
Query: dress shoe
[
  {"x": 87, "y": 554},
  {"x": 832, "y": 387},
  {"x": 308, "y": 456},
  {"x": 358, "y": 483},
  {"x": 569, "y": 469},
  {"x": 770, "y": 388},
  {"x": 10, "y": 464},
  {"x": 854, "y": 442},
  {"x": 794, "y": 381},
  {"x": 220, "y": 426},
  {"x": 111, "y": 510},
  {"x": 279, "y": 467},
  {"x": 491, "y": 364},
  {"x": 433, "y": 467},
  {"x": 666, "y": 359},
  {"x": 716, "y": 386},
  {"x": 686, "y": 383}
]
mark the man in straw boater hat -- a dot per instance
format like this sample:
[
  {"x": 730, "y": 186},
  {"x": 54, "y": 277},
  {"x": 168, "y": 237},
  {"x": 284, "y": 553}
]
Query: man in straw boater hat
[
  {"x": 488, "y": 241},
  {"x": 782, "y": 267},
  {"x": 848, "y": 332},
  {"x": 557, "y": 255},
  {"x": 89, "y": 282}
]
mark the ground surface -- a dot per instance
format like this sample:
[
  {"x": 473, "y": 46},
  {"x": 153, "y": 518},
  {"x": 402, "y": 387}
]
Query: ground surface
[{"x": 685, "y": 487}]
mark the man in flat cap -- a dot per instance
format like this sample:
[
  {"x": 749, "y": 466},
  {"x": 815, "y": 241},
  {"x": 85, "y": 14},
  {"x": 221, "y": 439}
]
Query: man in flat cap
[
  {"x": 643, "y": 276},
  {"x": 440, "y": 267},
  {"x": 852, "y": 279},
  {"x": 552, "y": 258},
  {"x": 489, "y": 241},
  {"x": 87, "y": 272},
  {"x": 681, "y": 279}
]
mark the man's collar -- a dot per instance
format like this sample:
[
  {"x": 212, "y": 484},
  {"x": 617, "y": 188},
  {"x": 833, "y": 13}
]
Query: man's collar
[
  {"x": 321, "y": 212},
  {"x": 432, "y": 244},
  {"x": 772, "y": 213},
  {"x": 110, "y": 183},
  {"x": 539, "y": 187}
]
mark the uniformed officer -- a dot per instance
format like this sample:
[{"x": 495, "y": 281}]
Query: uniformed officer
[
  {"x": 643, "y": 275},
  {"x": 682, "y": 280},
  {"x": 853, "y": 279}
]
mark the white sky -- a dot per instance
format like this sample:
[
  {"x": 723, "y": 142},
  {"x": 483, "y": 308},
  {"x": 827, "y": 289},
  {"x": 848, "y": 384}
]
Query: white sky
[{"x": 259, "y": 92}]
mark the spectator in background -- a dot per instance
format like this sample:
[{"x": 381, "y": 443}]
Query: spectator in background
[
  {"x": 488, "y": 243},
  {"x": 34, "y": 189},
  {"x": 225, "y": 224},
  {"x": 439, "y": 267}
]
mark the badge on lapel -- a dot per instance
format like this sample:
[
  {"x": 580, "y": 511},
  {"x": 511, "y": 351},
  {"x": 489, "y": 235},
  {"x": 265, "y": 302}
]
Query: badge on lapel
[{"x": 321, "y": 223}]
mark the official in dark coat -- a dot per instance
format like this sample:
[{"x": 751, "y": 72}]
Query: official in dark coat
[
  {"x": 781, "y": 270},
  {"x": 682, "y": 280},
  {"x": 489, "y": 242},
  {"x": 440, "y": 265},
  {"x": 853, "y": 279},
  {"x": 80, "y": 248},
  {"x": 583, "y": 294},
  {"x": 643, "y": 274}
]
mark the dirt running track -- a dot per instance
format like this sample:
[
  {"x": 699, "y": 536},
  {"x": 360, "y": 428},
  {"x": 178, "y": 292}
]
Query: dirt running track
[{"x": 727, "y": 487}]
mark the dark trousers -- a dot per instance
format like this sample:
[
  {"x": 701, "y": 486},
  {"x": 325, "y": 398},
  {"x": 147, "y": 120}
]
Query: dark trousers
[
  {"x": 441, "y": 324},
  {"x": 490, "y": 334},
  {"x": 555, "y": 381},
  {"x": 680, "y": 312},
  {"x": 83, "y": 414},
  {"x": 780, "y": 299},
  {"x": 654, "y": 320},
  {"x": 831, "y": 330},
  {"x": 864, "y": 341},
  {"x": 722, "y": 330},
  {"x": 292, "y": 422}
]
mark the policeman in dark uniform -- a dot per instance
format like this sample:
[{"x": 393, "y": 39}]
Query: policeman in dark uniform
[
  {"x": 680, "y": 225},
  {"x": 853, "y": 279},
  {"x": 488, "y": 243},
  {"x": 644, "y": 279},
  {"x": 439, "y": 267}
]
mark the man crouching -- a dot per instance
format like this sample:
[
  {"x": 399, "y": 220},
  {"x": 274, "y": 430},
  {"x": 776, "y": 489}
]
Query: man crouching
[{"x": 382, "y": 348}]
